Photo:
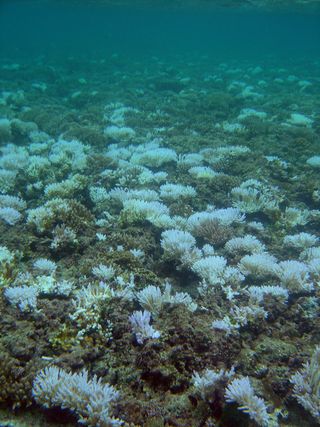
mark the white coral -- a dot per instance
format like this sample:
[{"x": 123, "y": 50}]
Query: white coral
[
  {"x": 140, "y": 324},
  {"x": 10, "y": 215},
  {"x": 248, "y": 244},
  {"x": 210, "y": 381},
  {"x": 241, "y": 392},
  {"x": 211, "y": 269},
  {"x": 103, "y": 272},
  {"x": 176, "y": 191},
  {"x": 300, "y": 240},
  {"x": 257, "y": 293},
  {"x": 177, "y": 243},
  {"x": 254, "y": 196},
  {"x": 294, "y": 275},
  {"x": 90, "y": 399},
  {"x": 307, "y": 385},
  {"x": 152, "y": 299},
  {"x": 44, "y": 265},
  {"x": 25, "y": 297},
  {"x": 259, "y": 265}
]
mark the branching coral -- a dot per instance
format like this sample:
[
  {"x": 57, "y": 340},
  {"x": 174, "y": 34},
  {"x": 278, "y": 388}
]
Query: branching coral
[
  {"x": 307, "y": 385},
  {"x": 90, "y": 399},
  {"x": 241, "y": 392}
]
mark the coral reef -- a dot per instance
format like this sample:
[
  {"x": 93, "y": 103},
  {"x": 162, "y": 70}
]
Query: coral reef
[{"x": 160, "y": 251}]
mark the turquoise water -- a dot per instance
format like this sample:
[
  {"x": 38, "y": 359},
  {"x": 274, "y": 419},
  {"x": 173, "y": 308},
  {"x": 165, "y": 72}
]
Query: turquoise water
[
  {"x": 68, "y": 27},
  {"x": 159, "y": 213}
]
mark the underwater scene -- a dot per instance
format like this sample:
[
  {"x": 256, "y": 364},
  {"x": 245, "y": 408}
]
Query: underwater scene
[{"x": 159, "y": 213}]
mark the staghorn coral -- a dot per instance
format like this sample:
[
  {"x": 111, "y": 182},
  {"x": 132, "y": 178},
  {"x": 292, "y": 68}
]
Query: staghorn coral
[
  {"x": 241, "y": 392},
  {"x": 307, "y": 385},
  {"x": 140, "y": 324},
  {"x": 152, "y": 299},
  {"x": 90, "y": 399},
  {"x": 25, "y": 297},
  {"x": 10, "y": 215},
  {"x": 211, "y": 381}
]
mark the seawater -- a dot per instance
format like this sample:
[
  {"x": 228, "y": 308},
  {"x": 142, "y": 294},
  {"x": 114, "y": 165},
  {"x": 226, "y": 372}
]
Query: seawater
[{"x": 159, "y": 213}]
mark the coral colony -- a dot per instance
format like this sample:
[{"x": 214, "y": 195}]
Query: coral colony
[{"x": 160, "y": 265}]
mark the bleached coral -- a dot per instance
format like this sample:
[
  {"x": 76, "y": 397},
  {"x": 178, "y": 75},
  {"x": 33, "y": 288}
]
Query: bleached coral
[
  {"x": 257, "y": 293},
  {"x": 230, "y": 278},
  {"x": 216, "y": 155},
  {"x": 233, "y": 276},
  {"x": 120, "y": 133},
  {"x": 251, "y": 112},
  {"x": 176, "y": 191},
  {"x": 153, "y": 156},
  {"x": 177, "y": 243},
  {"x": 241, "y": 391},
  {"x": 134, "y": 209},
  {"x": 240, "y": 316},
  {"x": 255, "y": 226},
  {"x": 14, "y": 202},
  {"x": 300, "y": 240},
  {"x": 298, "y": 119},
  {"x": 140, "y": 324},
  {"x": 115, "y": 152},
  {"x": 294, "y": 275},
  {"x": 203, "y": 172},
  {"x": 36, "y": 166},
  {"x": 25, "y": 297},
  {"x": 211, "y": 381},
  {"x": 65, "y": 188},
  {"x": 314, "y": 161},
  {"x": 190, "y": 159},
  {"x": 69, "y": 153},
  {"x": 293, "y": 217},
  {"x": 91, "y": 296},
  {"x": 44, "y": 265},
  {"x": 247, "y": 244},
  {"x": 7, "y": 180},
  {"x": 40, "y": 216},
  {"x": 254, "y": 196},
  {"x": 146, "y": 176},
  {"x": 48, "y": 285},
  {"x": 103, "y": 272},
  {"x": 314, "y": 269},
  {"x": 228, "y": 325},
  {"x": 244, "y": 315},
  {"x": 151, "y": 298},
  {"x": 43, "y": 216},
  {"x": 6, "y": 256},
  {"x": 63, "y": 237},
  {"x": 224, "y": 217},
  {"x": 10, "y": 215},
  {"x": 310, "y": 254},
  {"x": 138, "y": 253},
  {"x": 14, "y": 158},
  {"x": 233, "y": 127},
  {"x": 88, "y": 303},
  {"x": 307, "y": 385},
  {"x": 90, "y": 399},
  {"x": 211, "y": 269},
  {"x": 258, "y": 265},
  {"x": 116, "y": 112}
]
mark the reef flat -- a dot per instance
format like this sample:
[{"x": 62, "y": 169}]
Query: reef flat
[{"x": 160, "y": 258}]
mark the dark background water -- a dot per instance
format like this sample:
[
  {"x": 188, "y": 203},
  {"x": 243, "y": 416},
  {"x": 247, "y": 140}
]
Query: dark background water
[{"x": 28, "y": 28}]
